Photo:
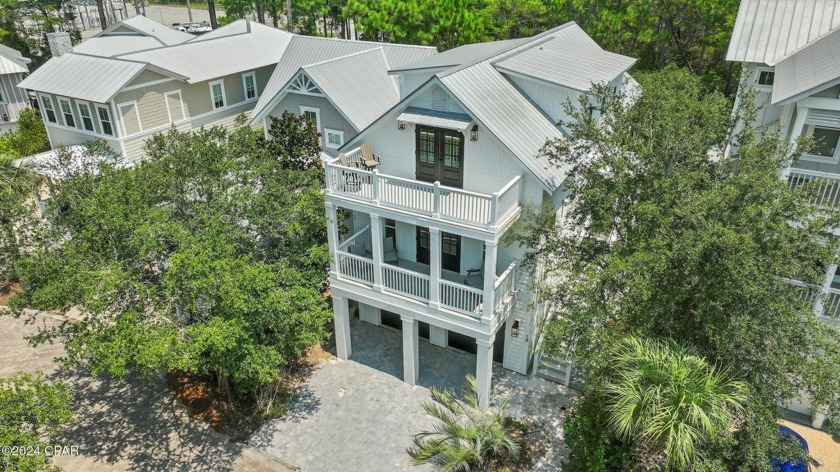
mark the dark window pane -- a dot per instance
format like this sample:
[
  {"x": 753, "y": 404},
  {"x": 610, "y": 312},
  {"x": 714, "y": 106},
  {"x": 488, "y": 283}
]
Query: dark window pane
[
  {"x": 766, "y": 77},
  {"x": 825, "y": 141}
]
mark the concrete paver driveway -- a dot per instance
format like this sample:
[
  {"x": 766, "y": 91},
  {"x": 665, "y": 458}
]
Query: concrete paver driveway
[{"x": 359, "y": 415}]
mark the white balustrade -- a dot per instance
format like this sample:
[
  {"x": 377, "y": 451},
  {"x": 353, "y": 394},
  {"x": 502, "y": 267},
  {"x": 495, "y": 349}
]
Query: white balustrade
[
  {"x": 427, "y": 199},
  {"x": 831, "y": 306},
  {"x": 461, "y": 298},
  {"x": 505, "y": 286},
  {"x": 355, "y": 267},
  {"x": 826, "y": 186},
  {"x": 405, "y": 282}
]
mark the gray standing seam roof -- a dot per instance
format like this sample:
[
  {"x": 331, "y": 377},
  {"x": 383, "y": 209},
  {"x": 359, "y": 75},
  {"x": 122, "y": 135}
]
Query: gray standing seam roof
[
  {"x": 306, "y": 50},
  {"x": 12, "y": 61},
  {"x": 358, "y": 85},
  {"x": 556, "y": 62},
  {"x": 808, "y": 69},
  {"x": 96, "y": 79},
  {"x": 765, "y": 31}
]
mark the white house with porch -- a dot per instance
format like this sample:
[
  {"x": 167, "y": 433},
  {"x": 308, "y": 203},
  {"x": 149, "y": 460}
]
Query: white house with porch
[
  {"x": 420, "y": 200},
  {"x": 790, "y": 52}
]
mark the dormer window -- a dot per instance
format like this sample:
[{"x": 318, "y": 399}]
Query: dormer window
[{"x": 766, "y": 78}]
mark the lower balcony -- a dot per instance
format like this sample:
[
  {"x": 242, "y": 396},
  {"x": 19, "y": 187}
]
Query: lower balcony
[
  {"x": 825, "y": 187},
  {"x": 463, "y": 294}
]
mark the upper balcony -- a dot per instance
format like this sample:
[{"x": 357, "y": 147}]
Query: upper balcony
[
  {"x": 826, "y": 186},
  {"x": 481, "y": 296},
  {"x": 479, "y": 211}
]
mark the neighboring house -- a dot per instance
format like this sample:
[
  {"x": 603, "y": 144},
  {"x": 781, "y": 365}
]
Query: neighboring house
[
  {"x": 139, "y": 78},
  {"x": 13, "y": 66},
  {"x": 416, "y": 242},
  {"x": 790, "y": 51},
  {"x": 341, "y": 85},
  {"x": 126, "y": 97}
]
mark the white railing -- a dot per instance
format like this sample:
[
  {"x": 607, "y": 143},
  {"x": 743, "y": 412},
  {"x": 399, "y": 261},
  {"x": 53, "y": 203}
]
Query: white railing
[
  {"x": 428, "y": 199},
  {"x": 406, "y": 282},
  {"x": 505, "y": 285},
  {"x": 825, "y": 186},
  {"x": 461, "y": 298},
  {"x": 355, "y": 267},
  {"x": 831, "y": 306},
  {"x": 358, "y": 239}
]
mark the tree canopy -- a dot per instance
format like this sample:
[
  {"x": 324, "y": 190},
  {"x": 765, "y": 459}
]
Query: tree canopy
[
  {"x": 664, "y": 238},
  {"x": 208, "y": 257}
]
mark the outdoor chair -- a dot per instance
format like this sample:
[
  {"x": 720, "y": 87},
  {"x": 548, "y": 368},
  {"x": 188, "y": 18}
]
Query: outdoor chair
[
  {"x": 351, "y": 179},
  {"x": 389, "y": 251},
  {"x": 369, "y": 160}
]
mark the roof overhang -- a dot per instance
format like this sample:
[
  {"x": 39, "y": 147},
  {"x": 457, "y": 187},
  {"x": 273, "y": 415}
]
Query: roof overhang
[{"x": 455, "y": 121}]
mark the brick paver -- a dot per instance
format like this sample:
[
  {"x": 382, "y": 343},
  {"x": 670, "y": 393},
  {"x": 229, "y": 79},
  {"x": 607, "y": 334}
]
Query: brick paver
[
  {"x": 822, "y": 447},
  {"x": 129, "y": 425}
]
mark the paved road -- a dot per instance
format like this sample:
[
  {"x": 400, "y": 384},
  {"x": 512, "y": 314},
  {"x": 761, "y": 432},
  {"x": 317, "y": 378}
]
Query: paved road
[
  {"x": 163, "y": 14},
  {"x": 131, "y": 425}
]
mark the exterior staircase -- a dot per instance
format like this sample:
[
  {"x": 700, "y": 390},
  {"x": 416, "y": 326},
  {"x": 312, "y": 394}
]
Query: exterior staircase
[{"x": 554, "y": 368}]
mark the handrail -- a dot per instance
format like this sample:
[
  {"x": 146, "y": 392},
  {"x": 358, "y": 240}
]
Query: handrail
[
  {"x": 501, "y": 278},
  {"x": 406, "y": 271},
  {"x": 349, "y": 240},
  {"x": 814, "y": 173},
  {"x": 510, "y": 184},
  {"x": 466, "y": 288}
]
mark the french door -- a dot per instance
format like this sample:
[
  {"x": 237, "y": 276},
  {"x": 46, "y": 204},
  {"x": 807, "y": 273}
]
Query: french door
[
  {"x": 450, "y": 249},
  {"x": 440, "y": 156}
]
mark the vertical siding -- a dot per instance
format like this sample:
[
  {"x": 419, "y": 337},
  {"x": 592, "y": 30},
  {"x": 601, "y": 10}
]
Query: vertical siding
[
  {"x": 14, "y": 98},
  {"x": 551, "y": 100}
]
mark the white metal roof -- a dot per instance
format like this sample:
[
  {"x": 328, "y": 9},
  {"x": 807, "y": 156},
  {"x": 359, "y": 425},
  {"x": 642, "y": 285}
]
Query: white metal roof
[
  {"x": 110, "y": 46},
  {"x": 149, "y": 28},
  {"x": 461, "y": 54},
  {"x": 10, "y": 66},
  {"x": 438, "y": 119},
  {"x": 767, "y": 30},
  {"x": 562, "y": 63},
  {"x": 306, "y": 50},
  {"x": 216, "y": 57},
  {"x": 807, "y": 70},
  {"x": 358, "y": 85},
  {"x": 14, "y": 61},
  {"x": 91, "y": 78}
]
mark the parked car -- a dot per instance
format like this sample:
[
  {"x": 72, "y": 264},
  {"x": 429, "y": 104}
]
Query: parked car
[{"x": 195, "y": 27}]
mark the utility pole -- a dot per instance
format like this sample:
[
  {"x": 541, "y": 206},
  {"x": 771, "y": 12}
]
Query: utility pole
[{"x": 189, "y": 10}]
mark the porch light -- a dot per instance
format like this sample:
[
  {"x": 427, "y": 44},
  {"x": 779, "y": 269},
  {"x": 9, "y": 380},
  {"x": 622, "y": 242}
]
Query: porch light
[
  {"x": 514, "y": 330},
  {"x": 400, "y": 124},
  {"x": 474, "y": 133}
]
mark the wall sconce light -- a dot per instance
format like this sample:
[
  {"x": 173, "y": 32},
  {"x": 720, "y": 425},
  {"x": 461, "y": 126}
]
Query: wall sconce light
[
  {"x": 474, "y": 133},
  {"x": 400, "y": 124},
  {"x": 514, "y": 329}
]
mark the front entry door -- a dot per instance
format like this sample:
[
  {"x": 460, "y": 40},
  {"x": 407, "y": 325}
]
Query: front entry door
[
  {"x": 450, "y": 249},
  {"x": 440, "y": 156}
]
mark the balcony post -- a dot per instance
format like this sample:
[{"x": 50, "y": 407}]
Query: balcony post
[
  {"x": 374, "y": 184},
  {"x": 436, "y": 201},
  {"x": 327, "y": 177},
  {"x": 376, "y": 248},
  {"x": 489, "y": 279},
  {"x": 332, "y": 236},
  {"x": 829, "y": 277},
  {"x": 435, "y": 265},
  {"x": 494, "y": 208}
]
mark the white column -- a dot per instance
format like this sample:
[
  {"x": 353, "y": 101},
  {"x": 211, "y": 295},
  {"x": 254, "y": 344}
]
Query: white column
[
  {"x": 342, "y": 327},
  {"x": 819, "y": 418},
  {"x": 434, "y": 267},
  {"x": 370, "y": 314},
  {"x": 796, "y": 131},
  {"x": 437, "y": 335},
  {"x": 489, "y": 278},
  {"x": 376, "y": 248},
  {"x": 332, "y": 236},
  {"x": 411, "y": 350},
  {"x": 484, "y": 371},
  {"x": 829, "y": 277}
]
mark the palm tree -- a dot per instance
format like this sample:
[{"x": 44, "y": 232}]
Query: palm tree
[
  {"x": 465, "y": 436},
  {"x": 667, "y": 401},
  {"x": 16, "y": 181}
]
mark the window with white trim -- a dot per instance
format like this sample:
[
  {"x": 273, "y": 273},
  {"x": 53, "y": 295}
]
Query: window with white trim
[
  {"x": 249, "y": 81},
  {"x": 84, "y": 114},
  {"x": 826, "y": 142},
  {"x": 313, "y": 115},
  {"x": 105, "y": 121},
  {"x": 766, "y": 77},
  {"x": 49, "y": 112},
  {"x": 217, "y": 93},
  {"x": 67, "y": 113},
  {"x": 333, "y": 138}
]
